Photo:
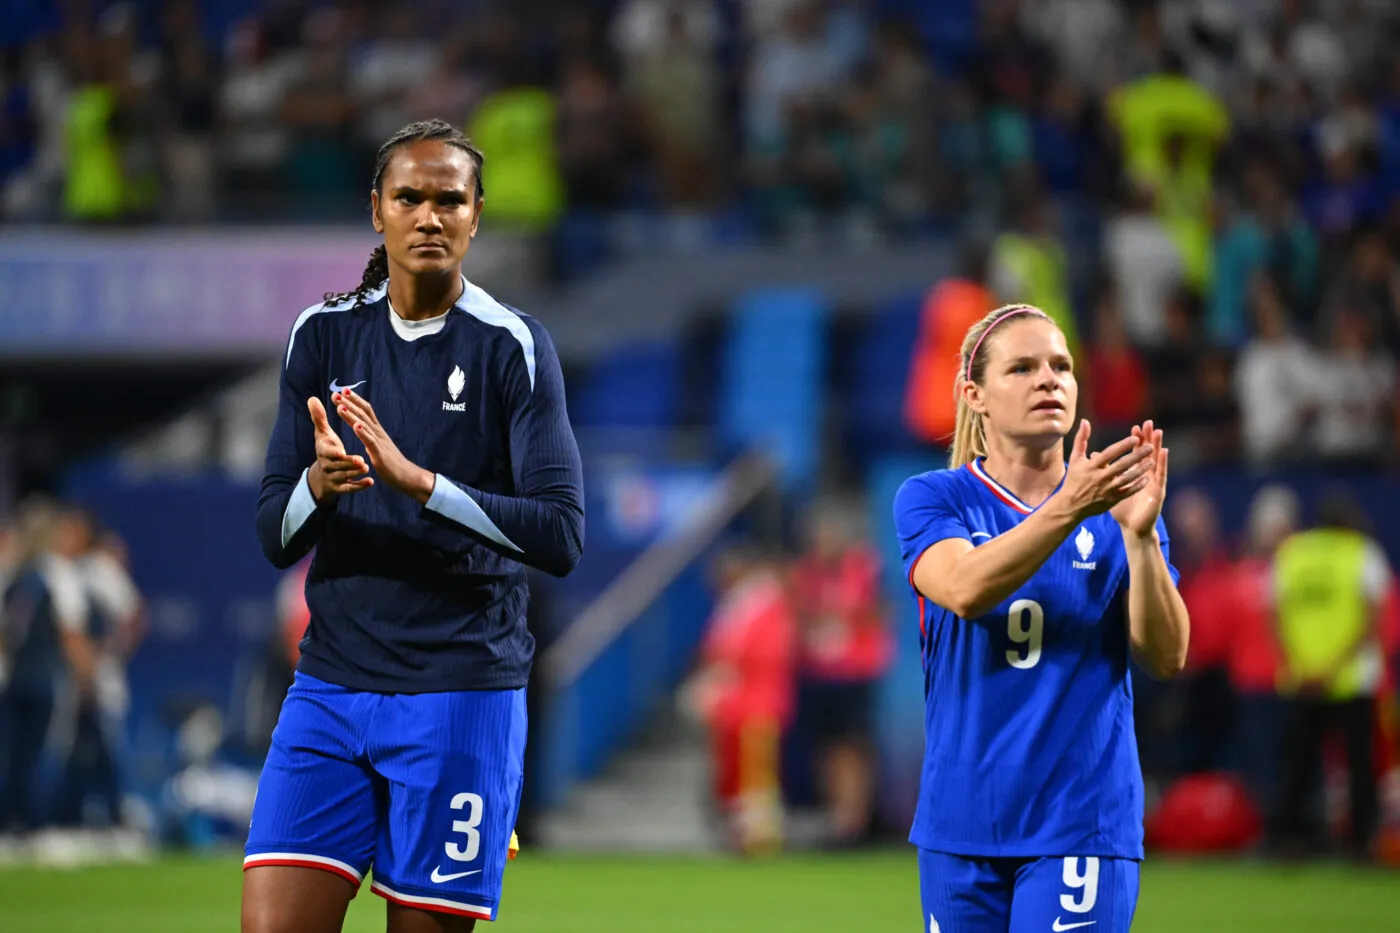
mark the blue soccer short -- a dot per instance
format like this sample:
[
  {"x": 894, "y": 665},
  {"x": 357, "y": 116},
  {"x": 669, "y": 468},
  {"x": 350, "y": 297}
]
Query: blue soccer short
[
  {"x": 1026, "y": 895},
  {"x": 424, "y": 788}
]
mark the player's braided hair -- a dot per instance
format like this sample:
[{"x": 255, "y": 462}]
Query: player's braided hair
[
  {"x": 969, "y": 434},
  {"x": 377, "y": 269}
]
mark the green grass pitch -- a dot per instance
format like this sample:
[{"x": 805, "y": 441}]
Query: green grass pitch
[{"x": 800, "y": 894}]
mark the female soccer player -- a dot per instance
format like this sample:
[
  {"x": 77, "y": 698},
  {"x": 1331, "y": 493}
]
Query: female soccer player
[
  {"x": 422, "y": 448},
  {"x": 1030, "y": 598}
]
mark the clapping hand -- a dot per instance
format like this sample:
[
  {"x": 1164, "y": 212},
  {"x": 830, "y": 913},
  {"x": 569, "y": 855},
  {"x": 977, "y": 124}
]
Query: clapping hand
[
  {"x": 335, "y": 472},
  {"x": 389, "y": 462},
  {"x": 1137, "y": 514},
  {"x": 1101, "y": 481}
]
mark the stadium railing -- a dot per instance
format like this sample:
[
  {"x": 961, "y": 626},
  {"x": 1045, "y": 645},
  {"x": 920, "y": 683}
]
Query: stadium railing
[{"x": 627, "y": 650}]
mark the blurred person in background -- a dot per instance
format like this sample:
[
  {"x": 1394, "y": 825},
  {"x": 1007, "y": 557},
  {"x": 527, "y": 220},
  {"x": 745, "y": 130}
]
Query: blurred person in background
[
  {"x": 744, "y": 692},
  {"x": 1146, "y": 265},
  {"x": 43, "y": 628},
  {"x": 189, "y": 88},
  {"x": 1206, "y": 583},
  {"x": 115, "y": 627},
  {"x": 1264, "y": 238},
  {"x": 845, "y": 649},
  {"x": 950, "y": 308},
  {"x": 1354, "y": 391},
  {"x": 293, "y": 616},
  {"x": 1254, "y": 658},
  {"x": 1028, "y": 263},
  {"x": 674, "y": 79},
  {"x": 1273, "y": 383},
  {"x": 1116, "y": 387},
  {"x": 1328, "y": 586}
]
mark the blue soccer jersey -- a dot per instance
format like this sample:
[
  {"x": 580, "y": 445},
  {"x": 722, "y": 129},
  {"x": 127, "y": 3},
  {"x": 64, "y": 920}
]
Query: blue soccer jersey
[{"x": 1029, "y": 747}]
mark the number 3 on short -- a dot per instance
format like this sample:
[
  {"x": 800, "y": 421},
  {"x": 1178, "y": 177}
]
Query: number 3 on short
[
  {"x": 1025, "y": 625},
  {"x": 468, "y": 827}
]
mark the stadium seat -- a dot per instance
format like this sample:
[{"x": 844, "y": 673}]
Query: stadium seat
[
  {"x": 634, "y": 385},
  {"x": 773, "y": 364},
  {"x": 874, "y": 416}
]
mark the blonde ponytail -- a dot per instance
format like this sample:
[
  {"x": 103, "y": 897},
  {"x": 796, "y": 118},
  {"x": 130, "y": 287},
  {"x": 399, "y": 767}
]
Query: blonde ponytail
[
  {"x": 968, "y": 442},
  {"x": 969, "y": 435}
]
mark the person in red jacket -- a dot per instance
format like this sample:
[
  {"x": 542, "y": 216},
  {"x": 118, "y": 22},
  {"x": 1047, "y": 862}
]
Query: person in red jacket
[
  {"x": 846, "y": 649},
  {"x": 743, "y": 692},
  {"x": 1254, "y": 658}
]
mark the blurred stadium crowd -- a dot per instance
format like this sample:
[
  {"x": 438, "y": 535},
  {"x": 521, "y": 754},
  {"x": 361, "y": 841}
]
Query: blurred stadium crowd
[
  {"x": 1205, "y": 191},
  {"x": 1205, "y": 195}
]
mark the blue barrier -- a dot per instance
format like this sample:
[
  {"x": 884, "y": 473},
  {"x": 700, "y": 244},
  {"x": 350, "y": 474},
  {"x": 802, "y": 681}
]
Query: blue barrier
[{"x": 588, "y": 720}]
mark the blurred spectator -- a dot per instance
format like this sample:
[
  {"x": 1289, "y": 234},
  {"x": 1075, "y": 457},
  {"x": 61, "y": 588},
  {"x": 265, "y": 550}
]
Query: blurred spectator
[
  {"x": 1082, "y": 33},
  {"x": 189, "y": 88},
  {"x": 743, "y": 692},
  {"x": 1254, "y": 658},
  {"x": 1169, "y": 126},
  {"x": 255, "y": 142},
  {"x": 96, "y": 185},
  {"x": 1273, "y": 382},
  {"x": 1117, "y": 383},
  {"x": 319, "y": 110},
  {"x": 1206, "y": 583},
  {"x": 846, "y": 649},
  {"x": 293, "y": 616},
  {"x": 793, "y": 70},
  {"x": 949, "y": 310},
  {"x": 516, "y": 126},
  {"x": 43, "y": 630},
  {"x": 1064, "y": 140},
  {"x": 906, "y": 87},
  {"x": 1028, "y": 264},
  {"x": 398, "y": 57},
  {"x": 1355, "y": 392},
  {"x": 674, "y": 79},
  {"x": 1370, "y": 285},
  {"x": 1215, "y": 420},
  {"x": 1147, "y": 266},
  {"x": 643, "y": 29},
  {"x": 1173, "y": 366},
  {"x": 595, "y": 138},
  {"x": 1347, "y": 195},
  {"x": 1269, "y": 238},
  {"x": 19, "y": 136},
  {"x": 1328, "y": 584},
  {"x": 115, "y": 627}
]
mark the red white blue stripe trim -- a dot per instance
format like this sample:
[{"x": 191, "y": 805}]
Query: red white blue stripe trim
[
  {"x": 998, "y": 490},
  {"x": 437, "y": 904},
  {"x": 303, "y": 860}
]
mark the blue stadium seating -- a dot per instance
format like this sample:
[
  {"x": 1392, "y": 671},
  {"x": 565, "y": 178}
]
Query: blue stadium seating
[
  {"x": 773, "y": 366},
  {"x": 873, "y": 422},
  {"x": 633, "y": 385}
]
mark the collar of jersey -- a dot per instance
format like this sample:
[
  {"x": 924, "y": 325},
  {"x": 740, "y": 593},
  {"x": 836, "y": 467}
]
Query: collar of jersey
[{"x": 1005, "y": 495}]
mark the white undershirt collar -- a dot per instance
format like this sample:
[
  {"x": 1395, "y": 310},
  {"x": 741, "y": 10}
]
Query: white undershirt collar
[{"x": 412, "y": 330}]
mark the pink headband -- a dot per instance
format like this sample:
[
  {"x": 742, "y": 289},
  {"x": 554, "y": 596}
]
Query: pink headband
[{"x": 1008, "y": 311}]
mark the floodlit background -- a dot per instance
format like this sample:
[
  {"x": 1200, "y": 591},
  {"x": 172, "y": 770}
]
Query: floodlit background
[{"x": 756, "y": 230}]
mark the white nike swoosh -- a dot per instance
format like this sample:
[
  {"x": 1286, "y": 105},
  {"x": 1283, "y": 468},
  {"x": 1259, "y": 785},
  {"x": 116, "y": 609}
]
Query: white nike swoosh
[
  {"x": 1060, "y": 928},
  {"x": 340, "y": 388},
  {"x": 983, "y": 534},
  {"x": 437, "y": 878}
]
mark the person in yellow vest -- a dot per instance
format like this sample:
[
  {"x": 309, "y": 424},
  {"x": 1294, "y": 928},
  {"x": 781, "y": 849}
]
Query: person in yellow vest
[
  {"x": 1328, "y": 585},
  {"x": 516, "y": 124},
  {"x": 1028, "y": 266}
]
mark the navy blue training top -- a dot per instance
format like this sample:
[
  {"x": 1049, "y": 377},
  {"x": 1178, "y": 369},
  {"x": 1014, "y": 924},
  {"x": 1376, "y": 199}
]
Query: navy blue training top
[{"x": 410, "y": 598}]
